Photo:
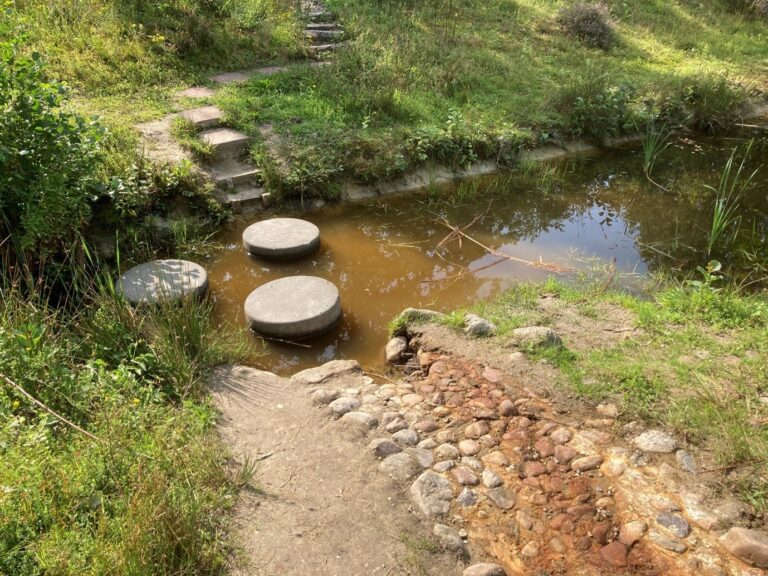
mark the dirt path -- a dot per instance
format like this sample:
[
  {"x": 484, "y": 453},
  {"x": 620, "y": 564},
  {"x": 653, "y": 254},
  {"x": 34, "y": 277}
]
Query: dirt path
[{"x": 325, "y": 510}]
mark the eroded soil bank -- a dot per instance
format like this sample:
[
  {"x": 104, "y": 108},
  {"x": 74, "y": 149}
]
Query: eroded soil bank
[{"x": 471, "y": 453}]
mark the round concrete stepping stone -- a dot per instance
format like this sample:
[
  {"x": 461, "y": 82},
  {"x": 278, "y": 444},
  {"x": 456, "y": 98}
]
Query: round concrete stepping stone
[
  {"x": 293, "y": 308},
  {"x": 163, "y": 281},
  {"x": 281, "y": 238}
]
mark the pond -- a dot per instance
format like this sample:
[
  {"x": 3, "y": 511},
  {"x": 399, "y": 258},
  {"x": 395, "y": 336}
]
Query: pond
[{"x": 567, "y": 218}]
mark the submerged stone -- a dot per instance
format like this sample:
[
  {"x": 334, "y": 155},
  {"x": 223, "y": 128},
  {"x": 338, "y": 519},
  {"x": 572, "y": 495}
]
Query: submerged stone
[{"x": 281, "y": 238}]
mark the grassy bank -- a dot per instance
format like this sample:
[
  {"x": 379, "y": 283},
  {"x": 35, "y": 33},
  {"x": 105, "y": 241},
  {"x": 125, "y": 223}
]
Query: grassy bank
[
  {"x": 696, "y": 364},
  {"x": 110, "y": 462},
  {"x": 456, "y": 82}
]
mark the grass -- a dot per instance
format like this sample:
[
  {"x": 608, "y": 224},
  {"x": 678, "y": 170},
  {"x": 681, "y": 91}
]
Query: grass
[
  {"x": 144, "y": 491},
  {"x": 458, "y": 82},
  {"x": 697, "y": 365}
]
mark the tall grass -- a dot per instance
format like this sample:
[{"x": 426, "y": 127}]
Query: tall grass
[
  {"x": 726, "y": 214},
  {"x": 654, "y": 143}
]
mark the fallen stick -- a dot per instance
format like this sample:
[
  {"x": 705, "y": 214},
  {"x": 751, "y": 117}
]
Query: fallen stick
[{"x": 56, "y": 415}]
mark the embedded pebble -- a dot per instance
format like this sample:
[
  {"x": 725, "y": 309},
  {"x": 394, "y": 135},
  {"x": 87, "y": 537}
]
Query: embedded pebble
[
  {"x": 472, "y": 463},
  {"x": 423, "y": 456},
  {"x": 360, "y": 418},
  {"x": 557, "y": 546},
  {"x": 656, "y": 441},
  {"x": 614, "y": 554},
  {"x": 341, "y": 406},
  {"x": 507, "y": 408},
  {"x": 751, "y": 546},
  {"x": 668, "y": 543},
  {"x": 467, "y": 498},
  {"x": 608, "y": 410},
  {"x": 586, "y": 463},
  {"x": 476, "y": 326},
  {"x": 395, "y": 349},
  {"x": 674, "y": 524},
  {"x": 477, "y": 429},
  {"x": 464, "y": 476},
  {"x": 443, "y": 466},
  {"x": 524, "y": 519},
  {"x": 382, "y": 447},
  {"x": 530, "y": 550},
  {"x": 431, "y": 493},
  {"x": 497, "y": 458},
  {"x": 449, "y": 539},
  {"x": 321, "y": 397},
  {"x": 501, "y": 498},
  {"x": 484, "y": 569},
  {"x": 561, "y": 436},
  {"x": 491, "y": 479},
  {"x": 406, "y": 437},
  {"x": 400, "y": 466},
  {"x": 631, "y": 532},
  {"x": 686, "y": 461},
  {"x": 447, "y": 452},
  {"x": 469, "y": 447},
  {"x": 428, "y": 444}
]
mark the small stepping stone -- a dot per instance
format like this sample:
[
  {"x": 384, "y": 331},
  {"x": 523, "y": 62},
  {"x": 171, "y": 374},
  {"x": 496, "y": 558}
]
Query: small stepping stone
[
  {"x": 205, "y": 117},
  {"x": 281, "y": 238},
  {"x": 227, "y": 143},
  {"x": 197, "y": 92},
  {"x": 163, "y": 281},
  {"x": 320, "y": 48},
  {"x": 232, "y": 77},
  {"x": 294, "y": 308},
  {"x": 320, "y": 16}
]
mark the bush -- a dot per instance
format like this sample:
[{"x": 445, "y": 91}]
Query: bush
[
  {"x": 589, "y": 23},
  {"x": 594, "y": 108},
  {"x": 749, "y": 7},
  {"x": 48, "y": 156},
  {"x": 714, "y": 103}
]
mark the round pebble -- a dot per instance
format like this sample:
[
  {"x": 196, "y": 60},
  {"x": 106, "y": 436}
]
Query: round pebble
[
  {"x": 294, "y": 308},
  {"x": 163, "y": 281},
  {"x": 281, "y": 238}
]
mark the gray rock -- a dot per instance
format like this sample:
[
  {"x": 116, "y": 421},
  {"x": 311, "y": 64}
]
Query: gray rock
[
  {"x": 163, "y": 281},
  {"x": 484, "y": 569},
  {"x": 729, "y": 512},
  {"x": 321, "y": 397},
  {"x": 533, "y": 336},
  {"x": 400, "y": 467},
  {"x": 501, "y": 498},
  {"x": 447, "y": 452},
  {"x": 491, "y": 479},
  {"x": 656, "y": 441},
  {"x": 431, "y": 494},
  {"x": 327, "y": 371},
  {"x": 294, "y": 307},
  {"x": 469, "y": 447},
  {"x": 476, "y": 326},
  {"x": 686, "y": 461},
  {"x": 443, "y": 466},
  {"x": 281, "y": 238},
  {"x": 395, "y": 349},
  {"x": 450, "y": 540},
  {"x": 362, "y": 419},
  {"x": 674, "y": 524},
  {"x": 668, "y": 543},
  {"x": 467, "y": 498},
  {"x": 343, "y": 405},
  {"x": 477, "y": 429},
  {"x": 406, "y": 437},
  {"x": 428, "y": 444},
  {"x": 472, "y": 463},
  {"x": 422, "y": 456},
  {"x": 382, "y": 447},
  {"x": 748, "y": 545},
  {"x": 396, "y": 425}
]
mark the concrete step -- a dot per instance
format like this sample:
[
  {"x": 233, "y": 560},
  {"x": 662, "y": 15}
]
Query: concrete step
[
  {"x": 320, "y": 16},
  {"x": 226, "y": 143},
  {"x": 324, "y": 35},
  {"x": 322, "y": 26},
  {"x": 196, "y": 92},
  {"x": 320, "y": 48},
  {"x": 205, "y": 117},
  {"x": 228, "y": 174},
  {"x": 243, "y": 198}
]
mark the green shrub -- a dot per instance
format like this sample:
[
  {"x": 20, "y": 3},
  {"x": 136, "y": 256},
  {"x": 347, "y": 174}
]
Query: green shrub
[
  {"x": 589, "y": 23},
  {"x": 714, "y": 102},
  {"x": 48, "y": 156},
  {"x": 594, "y": 108}
]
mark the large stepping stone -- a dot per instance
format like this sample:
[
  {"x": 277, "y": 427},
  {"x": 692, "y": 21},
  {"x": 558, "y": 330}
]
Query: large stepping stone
[
  {"x": 163, "y": 281},
  {"x": 205, "y": 117},
  {"x": 281, "y": 238},
  {"x": 226, "y": 143},
  {"x": 293, "y": 308}
]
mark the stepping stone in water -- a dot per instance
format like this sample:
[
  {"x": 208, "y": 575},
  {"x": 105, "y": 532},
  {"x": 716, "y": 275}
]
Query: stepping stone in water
[
  {"x": 163, "y": 281},
  {"x": 281, "y": 238},
  {"x": 294, "y": 308}
]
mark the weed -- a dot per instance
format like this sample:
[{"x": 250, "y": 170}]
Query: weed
[
  {"x": 654, "y": 143},
  {"x": 589, "y": 23},
  {"x": 715, "y": 103}
]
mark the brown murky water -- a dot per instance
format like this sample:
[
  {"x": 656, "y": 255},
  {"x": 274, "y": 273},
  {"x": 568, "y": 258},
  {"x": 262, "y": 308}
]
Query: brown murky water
[{"x": 383, "y": 255}]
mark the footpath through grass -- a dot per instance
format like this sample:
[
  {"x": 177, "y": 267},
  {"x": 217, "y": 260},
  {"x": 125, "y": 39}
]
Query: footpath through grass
[
  {"x": 697, "y": 365},
  {"x": 460, "y": 81}
]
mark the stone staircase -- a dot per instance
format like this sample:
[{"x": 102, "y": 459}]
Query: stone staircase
[{"x": 236, "y": 179}]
